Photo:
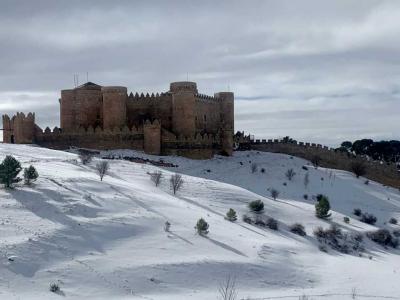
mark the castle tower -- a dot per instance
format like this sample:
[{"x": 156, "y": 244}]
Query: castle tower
[
  {"x": 183, "y": 107},
  {"x": 81, "y": 107},
  {"x": 227, "y": 120},
  {"x": 114, "y": 106},
  {"x": 152, "y": 137},
  {"x": 7, "y": 130}
]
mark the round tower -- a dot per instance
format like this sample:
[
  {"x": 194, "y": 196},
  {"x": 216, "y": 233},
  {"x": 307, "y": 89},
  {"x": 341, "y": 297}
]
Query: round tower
[
  {"x": 67, "y": 112},
  {"x": 227, "y": 120},
  {"x": 183, "y": 107},
  {"x": 114, "y": 106},
  {"x": 226, "y": 109}
]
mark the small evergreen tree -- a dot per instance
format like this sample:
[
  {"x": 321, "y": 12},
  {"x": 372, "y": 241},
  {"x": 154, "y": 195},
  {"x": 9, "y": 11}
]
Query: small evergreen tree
[
  {"x": 231, "y": 215},
  {"x": 290, "y": 174},
  {"x": 9, "y": 170},
  {"x": 30, "y": 175},
  {"x": 256, "y": 206},
  {"x": 202, "y": 227},
  {"x": 322, "y": 207}
]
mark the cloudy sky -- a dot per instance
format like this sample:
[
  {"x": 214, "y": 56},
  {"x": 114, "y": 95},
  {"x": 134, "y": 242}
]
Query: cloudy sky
[{"x": 319, "y": 71}]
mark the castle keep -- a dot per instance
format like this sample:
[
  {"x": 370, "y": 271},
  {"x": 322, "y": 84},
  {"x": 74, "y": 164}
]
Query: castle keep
[{"x": 179, "y": 122}]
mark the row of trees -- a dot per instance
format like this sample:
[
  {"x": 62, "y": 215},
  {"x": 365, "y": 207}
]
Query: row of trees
[{"x": 384, "y": 150}]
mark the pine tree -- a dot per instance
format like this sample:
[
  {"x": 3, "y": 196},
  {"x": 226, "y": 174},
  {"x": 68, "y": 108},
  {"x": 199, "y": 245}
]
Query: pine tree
[
  {"x": 30, "y": 174},
  {"x": 9, "y": 170},
  {"x": 231, "y": 215},
  {"x": 202, "y": 227},
  {"x": 322, "y": 207}
]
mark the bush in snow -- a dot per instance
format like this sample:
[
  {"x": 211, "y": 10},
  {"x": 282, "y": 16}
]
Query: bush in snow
[
  {"x": 290, "y": 174},
  {"x": 305, "y": 196},
  {"x": 253, "y": 167},
  {"x": 231, "y": 215},
  {"x": 102, "y": 168},
  {"x": 85, "y": 156},
  {"x": 306, "y": 180},
  {"x": 298, "y": 229},
  {"x": 357, "y": 212},
  {"x": 346, "y": 220},
  {"x": 260, "y": 222},
  {"x": 156, "y": 177},
  {"x": 393, "y": 221},
  {"x": 167, "y": 226},
  {"x": 9, "y": 170},
  {"x": 274, "y": 193},
  {"x": 262, "y": 170},
  {"x": 396, "y": 233},
  {"x": 383, "y": 237},
  {"x": 368, "y": 218},
  {"x": 337, "y": 240},
  {"x": 272, "y": 223},
  {"x": 316, "y": 160},
  {"x": 30, "y": 175},
  {"x": 322, "y": 207},
  {"x": 176, "y": 182},
  {"x": 247, "y": 219},
  {"x": 54, "y": 287},
  {"x": 304, "y": 168},
  {"x": 358, "y": 168},
  {"x": 366, "y": 182},
  {"x": 256, "y": 206},
  {"x": 202, "y": 227}
]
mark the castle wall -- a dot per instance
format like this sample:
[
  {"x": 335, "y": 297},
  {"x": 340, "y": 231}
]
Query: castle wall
[
  {"x": 207, "y": 114},
  {"x": 179, "y": 122},
  {"x": 149, "y": 107}
]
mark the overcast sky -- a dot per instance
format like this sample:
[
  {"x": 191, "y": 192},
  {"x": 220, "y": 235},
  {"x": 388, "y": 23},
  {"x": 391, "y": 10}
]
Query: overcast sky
[{"x": 319, "y": 71}]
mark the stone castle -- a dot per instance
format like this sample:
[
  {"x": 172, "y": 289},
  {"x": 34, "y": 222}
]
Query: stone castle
[{"x": 178, "y": 122}]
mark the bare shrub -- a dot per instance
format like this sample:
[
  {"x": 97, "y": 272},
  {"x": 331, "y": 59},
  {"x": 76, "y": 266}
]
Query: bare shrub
[
  {"x": 358, "y": 168},
  {"x": 156, "y": 177},
  {"x": 272, "y": 223},
  {"x": 254, "y": 168},
  {"x": 274, "y": 193},
  {"x": 176, "y": 182},
  {"x": 298, "y": 229},
  {"x": 247, "y": 219},
  {"x": 85, "y": 156},
  {"x": 227, "y": 290},
  {"x": 316, "y": 160},
  {"x": 357, "y": 212},
  {"x": 339, "y": 241},
  {"x": 383, "y": 237},
  {"x": 290, "y": 173},
  {"x": 102, "y": 168},
  {"x": 393, "y": 221},
  {"x": 368, "y": 218},
  {"x": 306, "y": 180}
]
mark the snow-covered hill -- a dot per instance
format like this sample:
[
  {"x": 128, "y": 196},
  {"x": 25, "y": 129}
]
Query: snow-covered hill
[{"x": 105, "y": 240}]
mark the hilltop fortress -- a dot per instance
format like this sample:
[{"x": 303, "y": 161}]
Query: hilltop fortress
[{"x": 178, "y": 122}]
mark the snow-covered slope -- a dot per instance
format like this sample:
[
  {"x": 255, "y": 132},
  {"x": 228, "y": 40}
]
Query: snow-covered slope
[{"x": 105, "y": 240}]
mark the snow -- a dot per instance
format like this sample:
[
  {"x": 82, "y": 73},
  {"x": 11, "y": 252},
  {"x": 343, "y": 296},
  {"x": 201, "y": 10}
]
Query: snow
[{"x": 105, "y": 240}]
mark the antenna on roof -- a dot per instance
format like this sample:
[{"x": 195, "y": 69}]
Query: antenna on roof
[
  {"x": 87, "y": 76},
  {"x": 77, "y": 79},
  {"x": 187, "y": 76}
]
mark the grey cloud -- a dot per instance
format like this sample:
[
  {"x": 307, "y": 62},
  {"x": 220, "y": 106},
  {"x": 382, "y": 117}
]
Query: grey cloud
[{"x": 323, "y": 70}]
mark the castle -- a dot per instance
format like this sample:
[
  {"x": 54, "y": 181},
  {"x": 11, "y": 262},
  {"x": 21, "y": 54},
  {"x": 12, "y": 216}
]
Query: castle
[{"x": 178, "y": 122}]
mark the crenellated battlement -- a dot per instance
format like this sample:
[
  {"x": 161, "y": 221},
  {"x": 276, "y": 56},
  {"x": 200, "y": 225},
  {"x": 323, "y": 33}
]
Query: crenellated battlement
[{"x": 207, "y": 98}]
